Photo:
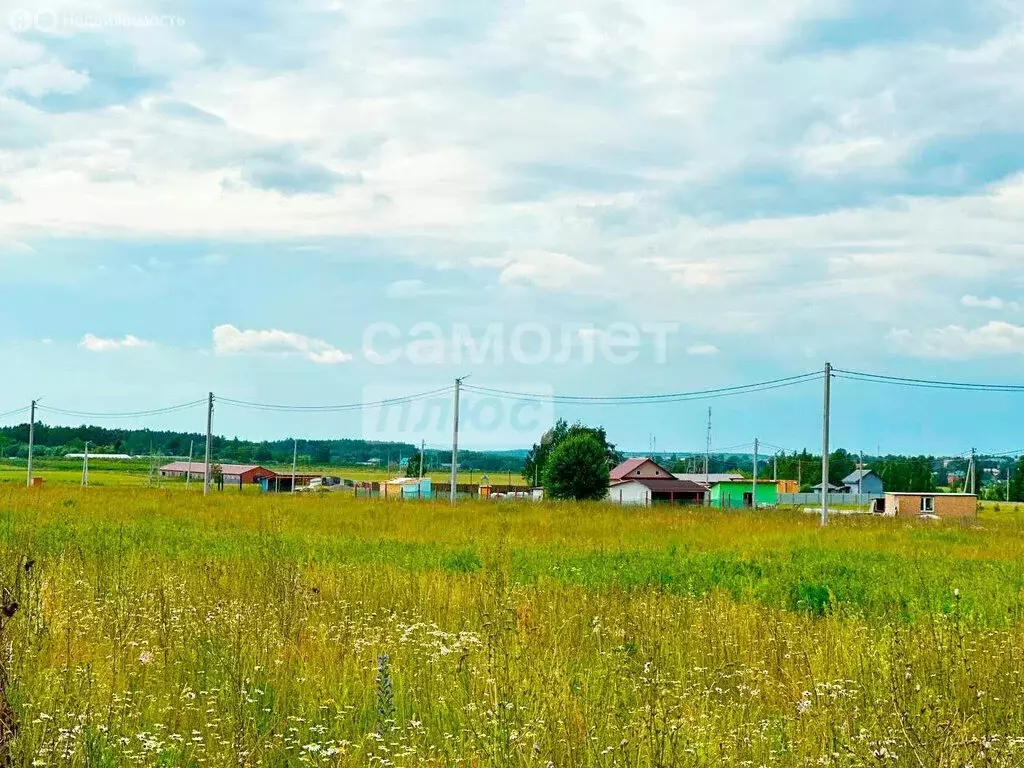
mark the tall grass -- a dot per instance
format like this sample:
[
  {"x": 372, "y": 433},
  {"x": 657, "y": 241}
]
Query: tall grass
[{"x": 161, "y": 628}]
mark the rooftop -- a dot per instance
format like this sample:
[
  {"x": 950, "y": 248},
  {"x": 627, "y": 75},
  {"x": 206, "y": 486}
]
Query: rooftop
[{"x": 200, "y": 466}]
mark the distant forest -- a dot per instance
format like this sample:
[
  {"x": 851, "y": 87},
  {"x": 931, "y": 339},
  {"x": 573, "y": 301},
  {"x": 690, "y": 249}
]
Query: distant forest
[{"x": 58, "y": 441}]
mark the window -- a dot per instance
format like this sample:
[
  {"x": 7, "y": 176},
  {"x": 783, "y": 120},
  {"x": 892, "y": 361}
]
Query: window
[{"x": 927, "y": 503}]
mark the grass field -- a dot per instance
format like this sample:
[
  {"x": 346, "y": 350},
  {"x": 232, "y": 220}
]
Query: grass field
[{"x": 160, "y": 628}]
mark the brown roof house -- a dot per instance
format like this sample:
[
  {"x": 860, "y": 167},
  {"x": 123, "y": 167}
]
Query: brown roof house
[{"x": 643, "y": 482}]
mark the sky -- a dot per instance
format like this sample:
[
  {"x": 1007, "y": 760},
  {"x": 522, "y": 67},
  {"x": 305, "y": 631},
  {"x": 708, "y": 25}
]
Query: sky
[{"x": 346, "y": 201}]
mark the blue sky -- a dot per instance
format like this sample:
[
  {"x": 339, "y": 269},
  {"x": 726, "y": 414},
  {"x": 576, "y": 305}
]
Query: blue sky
[{"x": 226, "y": 196}]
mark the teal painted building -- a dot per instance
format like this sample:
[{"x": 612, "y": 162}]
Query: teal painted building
[{"x": 739, "y": 493}]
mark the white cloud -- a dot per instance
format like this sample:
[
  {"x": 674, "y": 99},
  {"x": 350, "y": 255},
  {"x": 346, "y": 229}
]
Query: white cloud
[
  {"x": 957, "y": 342},
  {"x": 229, "y": 340},
  {"x": 701, "y": 350},
  {"x": 94, "y": 343},
  {"x": 41, "y": 79},
  {"x": 992, "y": 302},
  {"x": 411, "y": 289},
  {"x": 546, "y": 269}
]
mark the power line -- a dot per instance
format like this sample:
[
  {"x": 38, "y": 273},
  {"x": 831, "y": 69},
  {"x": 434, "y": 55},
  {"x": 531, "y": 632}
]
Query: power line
[
  {"x": 123, "y": 415},
  {"x": 876, "y": 378},
  {"x": 331, "y": 408},
  {"x": 14, "y": 412},
  {"x": 705, "y": 394}
]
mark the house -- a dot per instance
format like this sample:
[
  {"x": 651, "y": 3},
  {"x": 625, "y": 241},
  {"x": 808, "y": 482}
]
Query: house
[
  {"x": 930, "y": 504},
  {"x": 707, "y": 479},
  {"x": 407, "y": 488},
  {"x": 831, "y": 488},
  {"x": 632, "y": 468},
  {"x": 740, "y": 493},
  {"x": 645, "y": 491},
  {"x": 863, "y": 481},
  {"x": 233, "y": 474}
]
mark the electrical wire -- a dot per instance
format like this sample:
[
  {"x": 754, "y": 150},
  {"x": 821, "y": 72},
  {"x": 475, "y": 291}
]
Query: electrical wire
[
  {"x": 332, "y": 408},
  {"x": 706, "y": 394},
  {"x": 14, "y": 412},
  {"x": 876, "y": 378},
  {"x": 124, "y": 415}
]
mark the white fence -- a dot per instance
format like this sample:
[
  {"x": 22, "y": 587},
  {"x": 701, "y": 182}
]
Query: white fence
[{"x": 837, "y": 499}]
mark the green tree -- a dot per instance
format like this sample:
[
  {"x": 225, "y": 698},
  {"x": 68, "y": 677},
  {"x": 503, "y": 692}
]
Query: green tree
[
  {"x": 577, "y": 469},
  {"x": 412, "y": 466},
  {"x": 536, "y": 460},
  {"x": 1017, "y": 481}
]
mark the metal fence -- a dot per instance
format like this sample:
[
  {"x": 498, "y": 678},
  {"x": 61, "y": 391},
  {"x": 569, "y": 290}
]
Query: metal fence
[{"x": 837, "y": 499}]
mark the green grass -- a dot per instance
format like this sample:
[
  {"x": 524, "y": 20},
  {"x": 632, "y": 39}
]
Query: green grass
[{"x": 163, "y": 628}]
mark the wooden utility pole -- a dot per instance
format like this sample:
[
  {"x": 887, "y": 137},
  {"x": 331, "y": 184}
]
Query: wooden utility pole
[
  {"x": 208, "y": 475},
  {"x": 31, "y": 440}
]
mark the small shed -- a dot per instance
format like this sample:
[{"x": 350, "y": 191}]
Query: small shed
[
  {"x": 934, "y": 504},
  {"x": 407, "y": 488},
  {"x": 740, "y": 493}
]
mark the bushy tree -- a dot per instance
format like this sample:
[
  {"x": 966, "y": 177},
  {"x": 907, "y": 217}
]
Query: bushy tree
[
  {"x": 577, "y": 469},
  {"x": 412, "y": 467},
  {"x": 1017, "y": 481},
  {"x": 536, "y": 460}
]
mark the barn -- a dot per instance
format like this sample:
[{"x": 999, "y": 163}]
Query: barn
[{"x": 234, "y": 474}]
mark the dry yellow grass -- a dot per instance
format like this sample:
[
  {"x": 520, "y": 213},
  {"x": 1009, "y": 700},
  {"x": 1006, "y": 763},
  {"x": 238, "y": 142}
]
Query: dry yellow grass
[{"x": 162, "y": 628}]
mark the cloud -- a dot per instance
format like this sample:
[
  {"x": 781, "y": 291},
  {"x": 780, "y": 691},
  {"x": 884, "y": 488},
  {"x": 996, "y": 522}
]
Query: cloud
[
  {"x": 957, "y": 342},
  {"x": 295, "y": 177},
  {"x": 41, "y": 79},
  {"x": 214, "y": 259},
  {"x": 701, "y": 350},
  {"x": 546, "y": 269},
  {"x": 94, "y": 343},
  {"x": 411, "y": 289},
  {"x": 993, "y": 302},
  {"x": 229, "y": 340}
]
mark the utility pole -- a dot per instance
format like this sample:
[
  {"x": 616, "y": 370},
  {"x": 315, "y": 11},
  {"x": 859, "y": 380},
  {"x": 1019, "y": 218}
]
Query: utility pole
[
  {"x": 85, "y": 466},
  {"x": 455, "y": 439},
  {"x": 208, "y": 475},
  {"x": 974, "y": 471},
  {"x": 775, "y": 468},
  {"x": 753, "y": 494},
  {"x": 188, "y": 475},
  {"x": 295, "y": 460},
  {"x": 860, "y": 478},
  {"x": 707, "y": 452},
  {"x": 31, "y": 440},
  {"x": 825, "y": 444},
  {"x": 423, "y": 451}
]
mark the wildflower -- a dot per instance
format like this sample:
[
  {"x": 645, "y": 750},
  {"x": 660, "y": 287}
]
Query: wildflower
[
  {"x": 145, "y": 657},
  {"x": 804, "y": 704}
]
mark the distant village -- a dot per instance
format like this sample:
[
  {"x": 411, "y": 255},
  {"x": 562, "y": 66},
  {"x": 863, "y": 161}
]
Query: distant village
[{"x": 636, "y": 482}]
